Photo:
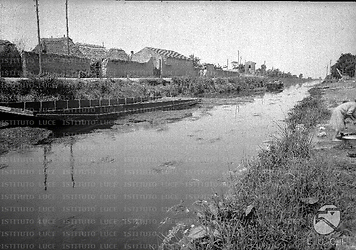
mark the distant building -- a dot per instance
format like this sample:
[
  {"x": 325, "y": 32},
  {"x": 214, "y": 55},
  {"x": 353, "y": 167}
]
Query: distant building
[
  {"x": 10, "y": 60},
  {"x": 250, "y": 67},
  {"x": 58, "y": 46},
  {"x": 92, "y": 51},
  {"x": 167, "y": 63},
  {"x": 235, "y": 65},
  {"x": 117, "y": 54},
  {"x": 98, "y": 53}
]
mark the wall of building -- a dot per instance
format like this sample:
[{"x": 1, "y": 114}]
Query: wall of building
[
  {"x": 178, "y": 67},
  {"x": 250, "y": 68},
  {"x": 53, "y": 64},
  {"x": 210, "y": 71},
  {"x": 120, "y": 69},
  {"x": 170, "y": 66}
]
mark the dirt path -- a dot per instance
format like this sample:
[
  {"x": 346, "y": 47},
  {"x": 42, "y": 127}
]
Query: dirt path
[{"x": 342, "y": 153}]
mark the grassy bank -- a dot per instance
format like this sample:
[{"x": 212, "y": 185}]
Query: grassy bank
[
  {"x": 271, "y": 205},
  {"x": 49, "y": 88}
]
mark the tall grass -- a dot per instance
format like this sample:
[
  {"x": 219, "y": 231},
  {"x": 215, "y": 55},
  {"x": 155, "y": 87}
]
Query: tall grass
[
  {"x": 272, "y": 203},
  {"x": 201, "y": 86},
  {"x": 51, "y": 88}
]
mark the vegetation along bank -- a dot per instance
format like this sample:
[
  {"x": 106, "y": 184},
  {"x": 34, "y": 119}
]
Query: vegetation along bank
[
  {"x": 49, "y": 88},
  {"x": 273, "y": 199}
]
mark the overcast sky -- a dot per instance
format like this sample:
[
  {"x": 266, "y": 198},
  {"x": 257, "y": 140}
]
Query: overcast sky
[{"x": 296, "y": 37}]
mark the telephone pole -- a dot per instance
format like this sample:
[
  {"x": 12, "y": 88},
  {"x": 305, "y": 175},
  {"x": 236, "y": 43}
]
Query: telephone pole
[
  {"x": 327, "y": 70},
  {"x": 39, "y": 42},
  {"x": 67, "y": 26},
  {"x": 238, "y": 57}
]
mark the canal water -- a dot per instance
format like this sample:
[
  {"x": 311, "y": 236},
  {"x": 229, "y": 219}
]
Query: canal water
[{"x": 111, "y": 190}]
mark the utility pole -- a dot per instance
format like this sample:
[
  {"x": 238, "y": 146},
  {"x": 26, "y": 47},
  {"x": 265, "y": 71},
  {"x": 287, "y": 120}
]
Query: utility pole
[
  {"x": 327, "y": 70},
  {"x": 39, "y": 42},
  {"x": 238, "y": 57},
  {"x": 330, "y": 68},
  {"x": 67, "y": 26}
]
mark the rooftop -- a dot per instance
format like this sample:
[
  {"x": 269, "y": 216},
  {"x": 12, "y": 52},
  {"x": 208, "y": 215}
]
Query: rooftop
[
  {"x": 168, "y": 53},
  {"x": 58, "y": 46}
]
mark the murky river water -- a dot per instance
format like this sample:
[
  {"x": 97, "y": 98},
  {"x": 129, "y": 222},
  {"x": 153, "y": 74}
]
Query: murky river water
[{"x": 110, "y": 190}]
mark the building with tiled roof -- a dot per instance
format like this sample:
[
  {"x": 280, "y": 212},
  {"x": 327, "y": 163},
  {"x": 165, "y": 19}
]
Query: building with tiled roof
[
  {"x": 117, "y": 54},
  {"x": 169, "y": 53},
  {"x": 92, "y": 51},
  {"x": 167, "y": 63},
  {"x": 58, "y": 46}
]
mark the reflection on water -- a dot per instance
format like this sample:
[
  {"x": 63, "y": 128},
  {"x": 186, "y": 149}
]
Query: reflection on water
[{"x": 107, "y": 188}]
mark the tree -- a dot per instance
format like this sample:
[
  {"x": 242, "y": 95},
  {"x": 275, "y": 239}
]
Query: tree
[
  {"x": 263, "y": 69},
  {"x": 241, "y": 68},
  {"x": 345, "y": 64},
  {"x": 196, "y": 61},
  {"x": 300, "y": 76},
  {"x": 20, "y": 44}
]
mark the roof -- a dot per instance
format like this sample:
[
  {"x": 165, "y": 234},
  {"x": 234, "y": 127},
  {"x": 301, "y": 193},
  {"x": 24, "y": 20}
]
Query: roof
[
  {"x": 5, "y": 42},
  {"x": 58, "y": 46},
  {"x": 8, "y": 47},
  {"x": 117, "y": 54},
  {"x": 92, "y": 51},
  {"x": 168, "y": 53}
]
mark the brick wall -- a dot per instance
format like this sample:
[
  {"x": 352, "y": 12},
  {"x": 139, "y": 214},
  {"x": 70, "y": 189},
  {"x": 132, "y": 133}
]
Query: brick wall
[
  {"x": 120, "y": 69},
  {"x": 178, "y": 67},
  {"x": 53, "y": 64},
  {"x": 10, "y": 60}
]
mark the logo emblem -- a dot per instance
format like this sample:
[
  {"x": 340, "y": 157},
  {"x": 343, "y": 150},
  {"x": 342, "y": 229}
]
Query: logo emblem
[{"x": 327, "y": 219}]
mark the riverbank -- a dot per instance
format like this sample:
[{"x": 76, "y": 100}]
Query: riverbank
[
  {"x": 272, "y": 200},
  {"x": 50, "y": 89}
]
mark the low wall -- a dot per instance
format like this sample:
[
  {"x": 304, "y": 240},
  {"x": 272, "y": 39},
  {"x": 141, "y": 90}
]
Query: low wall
[
  {"x": 119, "y": 69},
  {"x": 178, "y": 67},
  {"x": 53, "y": 64},
  {"x": 10, "y": 63},
  {"x": 220, "y": 73}
]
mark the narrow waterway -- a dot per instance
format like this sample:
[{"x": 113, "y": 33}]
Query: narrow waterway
[{"x": 110, "y": 190}]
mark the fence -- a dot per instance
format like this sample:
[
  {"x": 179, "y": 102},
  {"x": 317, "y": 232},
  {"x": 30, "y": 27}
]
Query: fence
[{"x": 44, "y": 106}]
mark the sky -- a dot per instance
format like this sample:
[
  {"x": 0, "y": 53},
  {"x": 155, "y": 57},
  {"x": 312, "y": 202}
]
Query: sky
[{"x": 296, "y": 37}]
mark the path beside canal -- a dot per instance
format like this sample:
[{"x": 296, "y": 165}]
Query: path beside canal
[{"x": 334, "y": 94}]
